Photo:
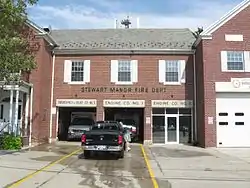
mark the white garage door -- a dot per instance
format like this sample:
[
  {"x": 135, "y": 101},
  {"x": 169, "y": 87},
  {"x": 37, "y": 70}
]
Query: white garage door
[{"x": 233, "y": 119}]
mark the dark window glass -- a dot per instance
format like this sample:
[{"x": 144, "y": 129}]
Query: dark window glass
[
  {"x": 239, "y": 114},
  {"x": 158, "y": 110},
  {"x": 1, "y": 112},
  {"x": 223, "y": 114},
  {"x": 223, "y": 123},
  {"x": 185, "y": 111},
  {"x": 239, "y": 123},
  {"x": 172, "y": 111}
]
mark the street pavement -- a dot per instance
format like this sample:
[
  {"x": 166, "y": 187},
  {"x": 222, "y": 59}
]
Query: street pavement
[
  {"x": 74, "y": 171},
  {"x": 193, "y": 167}
]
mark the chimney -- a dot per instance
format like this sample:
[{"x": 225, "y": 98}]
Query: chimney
[{"x": 115, "y": 23}]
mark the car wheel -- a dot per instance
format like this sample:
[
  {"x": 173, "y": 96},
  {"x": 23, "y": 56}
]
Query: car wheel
[{"x": 86, "y": 154}]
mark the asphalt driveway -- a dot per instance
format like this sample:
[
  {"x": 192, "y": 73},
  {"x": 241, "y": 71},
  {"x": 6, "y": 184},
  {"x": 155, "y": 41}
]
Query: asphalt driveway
[{"x": 74, "y": 170}]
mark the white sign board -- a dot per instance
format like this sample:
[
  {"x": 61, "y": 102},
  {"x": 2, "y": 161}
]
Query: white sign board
[
  {"x": 172, "y": 103},
  {"x": 124, "y": 103},
  {"x": 148, "y": 120},
  {"x": 240, "y": 82},
  {"x": 76, "y": 102}
]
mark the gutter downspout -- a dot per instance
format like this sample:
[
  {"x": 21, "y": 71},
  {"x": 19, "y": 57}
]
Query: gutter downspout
[
  {"x": 51, "y": 98},
  {"x": 31, "y": 113},
  {"x": 195, "y": 102}
]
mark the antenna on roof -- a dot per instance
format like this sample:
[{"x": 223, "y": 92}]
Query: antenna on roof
[{"x": 126, "y": 22}]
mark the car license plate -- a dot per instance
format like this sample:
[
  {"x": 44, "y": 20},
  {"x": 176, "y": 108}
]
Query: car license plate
[{"x": 101, "y": 147}]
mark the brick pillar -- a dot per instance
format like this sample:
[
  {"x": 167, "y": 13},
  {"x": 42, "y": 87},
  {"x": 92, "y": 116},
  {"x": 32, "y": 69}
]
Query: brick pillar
[
  {"x": 99, "y": 113},
  {"x": 147, "y": 126}
]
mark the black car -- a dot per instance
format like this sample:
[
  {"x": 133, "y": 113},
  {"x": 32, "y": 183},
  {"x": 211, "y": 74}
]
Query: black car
[{"x": 104, "y": 136}]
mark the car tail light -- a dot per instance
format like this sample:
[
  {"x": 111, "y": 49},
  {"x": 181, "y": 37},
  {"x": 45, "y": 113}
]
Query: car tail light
[
  {"x": 83, "y": 138},
  {"x": 120, "y": 139}
]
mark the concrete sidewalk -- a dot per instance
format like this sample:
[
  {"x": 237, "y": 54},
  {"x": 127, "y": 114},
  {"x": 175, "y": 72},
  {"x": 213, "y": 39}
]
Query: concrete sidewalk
[{"x": 197, "y": 167}]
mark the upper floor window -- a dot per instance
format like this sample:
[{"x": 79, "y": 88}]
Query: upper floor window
[
  {"x": 172, "y": 71},
  {"x": 235, "y": 61},
  {"x": 124, "y": 71},
  {"x": 76, "y": 71}
]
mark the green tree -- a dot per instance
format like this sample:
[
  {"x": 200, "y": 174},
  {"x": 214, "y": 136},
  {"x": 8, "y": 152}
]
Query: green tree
[{"x": 17, "y": 40}]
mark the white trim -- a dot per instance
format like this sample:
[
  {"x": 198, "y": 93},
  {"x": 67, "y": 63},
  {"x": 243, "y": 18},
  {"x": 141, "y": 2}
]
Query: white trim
[
  {"x": 51, "y": 98},
  {"x": 237, "y": 9}
]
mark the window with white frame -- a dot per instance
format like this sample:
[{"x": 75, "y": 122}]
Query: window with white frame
[
  {"x": 77, "y": 71},
  {"x": 235, "y": 60},
  {"x": 124, "y": 71},
  {"x": 172, "y": 71}
]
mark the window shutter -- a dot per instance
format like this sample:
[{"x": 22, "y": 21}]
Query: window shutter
[
  {"x": 86, "y": 71},
  {"x": 67, "y": 71},
  {"x": 182, "y": 71},
  {"x": 162, "y": 71},
  {"x": 223, "y": 62},
  {"x": 134, "y": 71},
  {"x": 114, "y": 71},
  {"x": 247, "y": 61}
]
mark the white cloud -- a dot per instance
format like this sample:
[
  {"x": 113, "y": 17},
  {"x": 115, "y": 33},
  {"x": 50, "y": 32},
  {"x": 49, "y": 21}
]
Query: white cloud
[{"x": 202, "y": 13}]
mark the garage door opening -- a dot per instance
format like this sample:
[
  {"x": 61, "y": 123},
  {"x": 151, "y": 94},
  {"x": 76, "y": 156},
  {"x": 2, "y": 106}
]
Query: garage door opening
[
  {"x": 129, "y": 117},
  {"x": 76, "y": 117}
]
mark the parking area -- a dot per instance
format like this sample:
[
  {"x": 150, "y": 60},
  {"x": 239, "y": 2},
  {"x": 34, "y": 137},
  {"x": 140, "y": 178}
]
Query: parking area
[
  {"x": 192, "y": 167},
  {"x": 36, "y": 168}
]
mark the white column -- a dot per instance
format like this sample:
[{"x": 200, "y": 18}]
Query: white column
[
  {"x": 26, "y": 114},
  {"x": 10, "y": 127},
  {"x": 16, "y": 126}
]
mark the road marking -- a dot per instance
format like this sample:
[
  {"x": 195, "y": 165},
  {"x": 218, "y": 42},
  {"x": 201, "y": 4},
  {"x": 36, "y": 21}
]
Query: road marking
[
  {"x": 151, "y": 173},
  {"x": 43, "y": 169}
]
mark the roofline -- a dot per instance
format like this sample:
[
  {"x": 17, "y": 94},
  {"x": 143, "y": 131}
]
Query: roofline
[
  {"x": 200, "y": 38},
  {"x": 121, "y": 51},
  {"x": 229, "y": 15},
  {"x": 42, "y": 33}
]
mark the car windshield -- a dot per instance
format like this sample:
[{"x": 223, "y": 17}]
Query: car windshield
[
  {"x": 82, "y": 121},
  {"x": 128, "y": 122},
  {"x": 106, "y": 126}
]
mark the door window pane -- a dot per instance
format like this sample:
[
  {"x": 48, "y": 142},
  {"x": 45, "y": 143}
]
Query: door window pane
[
  {"x": 158, "y": 129},
  {"x": 172, "y": 129}
]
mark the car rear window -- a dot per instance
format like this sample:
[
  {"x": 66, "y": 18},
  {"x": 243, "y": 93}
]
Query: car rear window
[
  {"x": 83, "y": 121},
  {"x": 106, "y": 126}
]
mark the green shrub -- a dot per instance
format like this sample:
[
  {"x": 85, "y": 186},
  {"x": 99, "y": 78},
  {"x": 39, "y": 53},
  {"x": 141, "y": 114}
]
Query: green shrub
[{"x": 10, "y": 142}]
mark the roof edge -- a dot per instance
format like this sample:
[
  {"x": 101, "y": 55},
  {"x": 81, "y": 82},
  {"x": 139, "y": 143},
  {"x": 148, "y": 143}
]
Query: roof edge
[
  {"x": 121, "y": 51},
  {"x": 225, "y": 18}
]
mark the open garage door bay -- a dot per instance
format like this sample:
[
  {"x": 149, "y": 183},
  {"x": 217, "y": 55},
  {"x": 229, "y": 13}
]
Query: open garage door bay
[{"x": 233, "y": 119}]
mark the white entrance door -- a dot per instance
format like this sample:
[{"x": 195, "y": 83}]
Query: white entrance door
[
  {"x": 171, "y": 129},
  {"x": 232, "y": 119}
]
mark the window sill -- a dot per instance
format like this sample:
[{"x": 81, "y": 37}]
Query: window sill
[
  {"x": 76, "y": 83},
  {"x": 172, "y": 83},
  {"x": 234, "y": 71},
  {"x": 124, "y": 83}
]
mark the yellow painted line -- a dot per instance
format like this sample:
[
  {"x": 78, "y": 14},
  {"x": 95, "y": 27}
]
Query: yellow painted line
[
  {"x": 151, "y": 173},
  {"x": 43, "y": 169}
]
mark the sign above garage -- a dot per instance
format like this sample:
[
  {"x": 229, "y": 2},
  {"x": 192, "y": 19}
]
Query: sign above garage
[
  {"x": 241, "y": 82},
  {"x": 124, "y": 103},
  {"x": 76, "y": 102},
  {"x": 172, "y": 103}
]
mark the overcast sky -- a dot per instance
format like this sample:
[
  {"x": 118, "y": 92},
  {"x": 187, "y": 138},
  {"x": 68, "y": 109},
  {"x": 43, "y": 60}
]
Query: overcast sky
[{"x": 82, "y": 14}]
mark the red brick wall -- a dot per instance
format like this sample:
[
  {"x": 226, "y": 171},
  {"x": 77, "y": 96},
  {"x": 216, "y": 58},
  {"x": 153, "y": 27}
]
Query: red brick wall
[
  {"x": 212, "y": 68},
  {"x": 147, "y": 77},
  {"x": 41, "y": 79}
]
